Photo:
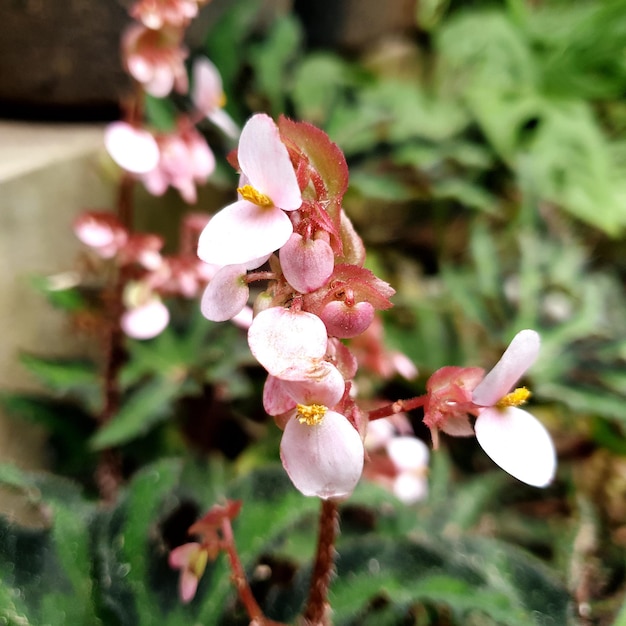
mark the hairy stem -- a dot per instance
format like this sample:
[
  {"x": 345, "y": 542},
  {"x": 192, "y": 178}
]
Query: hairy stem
[
  {"x": 317, "y": 609},
  {"x": 397, "y": 407}
]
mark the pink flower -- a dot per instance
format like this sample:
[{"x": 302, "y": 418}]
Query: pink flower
[
  {"x": 322, "y": 452},
  {"x": 191, "y": 559},
  {"x": 208, "y": 96},
  {"x": 133, "y": 149},
  {"x": 512, "y": 437},
  {"x": 102, "y": 232},
  {"x": 155, "y": 58},
  {"x": 398, "y": 460},
  {"x": 255, "y": 225},
  {"x": 155, "y": 14},
  {"x": 185, "y": 160},
  {"x": 146, "y": 316}
]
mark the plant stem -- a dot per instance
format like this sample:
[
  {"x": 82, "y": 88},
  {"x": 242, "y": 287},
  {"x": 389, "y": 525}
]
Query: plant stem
[
  {"x": 317, "y": 609},
  {"x": 398, "y": 407},
  {"x": 241, "y": 581}
]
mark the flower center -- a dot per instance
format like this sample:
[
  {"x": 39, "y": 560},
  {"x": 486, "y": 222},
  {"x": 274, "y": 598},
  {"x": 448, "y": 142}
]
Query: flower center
[
  {"x": 515, "y": 398},
  {"x": 198, "y": 562},
  {"x": 250, "y": 194},
  {"x": 311, "y": 414}
]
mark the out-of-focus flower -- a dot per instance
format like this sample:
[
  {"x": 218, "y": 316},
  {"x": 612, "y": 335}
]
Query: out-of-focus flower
[
  {"x": 513, "y": 438},
  {"x": 145, "y": 316},
  {"x": 155, "y": 14},
  {"x": 207, "y": 94},
  {"x": 256, "y": 225},
  {"x": 156, "y": 59},
  {"x": 102, "y": 232},
  {"x": 185, "y": 160},
  {"x": 133, "y": 149},
  {"x": 191, "y": 559}
]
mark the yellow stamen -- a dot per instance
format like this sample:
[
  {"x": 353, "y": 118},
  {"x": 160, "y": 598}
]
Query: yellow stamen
[
  {"x": 222, "y": 101},
  {"x": 198, "y": 563},
  {"x": 250, "y": 194},
  {"x": 515, "y": 398},
  {"x": 311, "y": 414}
]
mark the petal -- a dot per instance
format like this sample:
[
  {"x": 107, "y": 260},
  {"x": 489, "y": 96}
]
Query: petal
[
  {"x": 265, "y": 161},
  {"x": 146, "y": 321},
  {"x": 282, "y": 339},
  {"x": 188, "y": 585},
  {"x": 181, "y": 556},
  {"x": 133, "y": 149},
  {"x": 408, "y": 453},
  {"x": 325, "y": 460},
  {"x": 517, "y": 358},
  {"x": 243, "y": 319},
  {"x": 207, "y": 90},
  {"x": 379, "y": 433},
  {"x": 410, "y": 488},
  {"x": 346, "y": 321},
  {"x": 324, "y": 384},
  {"x": 226, "y": 294},
  {"x": 306, "y": 263},
  {"x": 224, "y": 122},
  {"x": 241, "y": 232},
  {"x": 276, "y": 400},
  {"x": 518, "y": 443}
]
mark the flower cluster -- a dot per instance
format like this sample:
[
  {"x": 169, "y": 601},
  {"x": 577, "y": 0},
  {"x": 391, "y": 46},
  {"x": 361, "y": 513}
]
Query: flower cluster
[
  {"x": 154, "y": 55},
  {"x": 148, "y": 275},
  {"x": 315, "y": 292}
]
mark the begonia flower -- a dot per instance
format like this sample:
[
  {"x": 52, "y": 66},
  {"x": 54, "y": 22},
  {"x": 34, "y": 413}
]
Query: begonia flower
[
  {"x": 409, "y": 456},
  {"x": 146, "y": 316},
  {"x": 207, "y": 94},
  {"x": 256, "y": 225},
  {"x": 191, "y": 559},
  {"x": 102, "y": 231},
  {"x": 185, "y": 160},
  {"x": 286, "y": 341},
  {"x": 155, "y": 14},
  {"x": 322, "y": 452},
  {"x": 156, "y": 59},
  {"x": 513, "y": 438},
  {"x": 226, "y": 294},
  {"x": 133, "y": 149}
]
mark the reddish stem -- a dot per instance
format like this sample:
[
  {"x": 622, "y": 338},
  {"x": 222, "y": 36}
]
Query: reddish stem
[
  {"x": 260, "y": 276},
  {"x": 317, "y": 609},
  {"x": 398, "y": 407},
  {"x": 241, "y": 581}
]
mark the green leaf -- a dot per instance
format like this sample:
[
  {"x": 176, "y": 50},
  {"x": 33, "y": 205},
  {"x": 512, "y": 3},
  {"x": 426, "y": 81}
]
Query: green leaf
[
  {"x": 271, "y": 60},
  {"x": 161, "y": 113},
  {"x": 143, "y": 409}
]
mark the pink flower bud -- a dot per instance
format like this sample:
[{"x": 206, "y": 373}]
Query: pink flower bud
[
  {"x": 306, "y": 263},
  {"x": 346, "y": 321}
]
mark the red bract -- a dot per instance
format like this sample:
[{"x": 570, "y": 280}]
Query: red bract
[{"x": 450, "y": 400}]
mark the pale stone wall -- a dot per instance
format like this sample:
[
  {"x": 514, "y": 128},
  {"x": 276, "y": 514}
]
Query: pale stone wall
[{"x": 48, "y": 174}]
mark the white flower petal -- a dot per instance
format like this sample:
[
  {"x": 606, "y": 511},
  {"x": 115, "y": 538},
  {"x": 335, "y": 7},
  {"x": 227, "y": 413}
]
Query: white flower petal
[
  {"x": 408, "y": 453},
  {"x": 325, "y": 460},
  {"x": 226, "y": 294},
  {"x": 133, "y": 149},
  {"x": 409, "y": 487},
  {"x": 323, "y": 384},
  {"x": 265, "y": 161},
  {"x": 518, "y": 443},
  {"x": 242, "y": 232},
  {"x": 146, "y": 321},
  {"x": 285, "y": 340},
  {"x": 517, "y": 358}
]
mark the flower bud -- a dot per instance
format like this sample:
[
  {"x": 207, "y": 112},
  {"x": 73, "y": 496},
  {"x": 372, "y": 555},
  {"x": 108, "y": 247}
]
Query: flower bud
[{"x": 346, "y": 321}]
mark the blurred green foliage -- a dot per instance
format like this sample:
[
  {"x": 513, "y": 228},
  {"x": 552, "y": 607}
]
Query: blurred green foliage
[{"x": 487, "y": 151}]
